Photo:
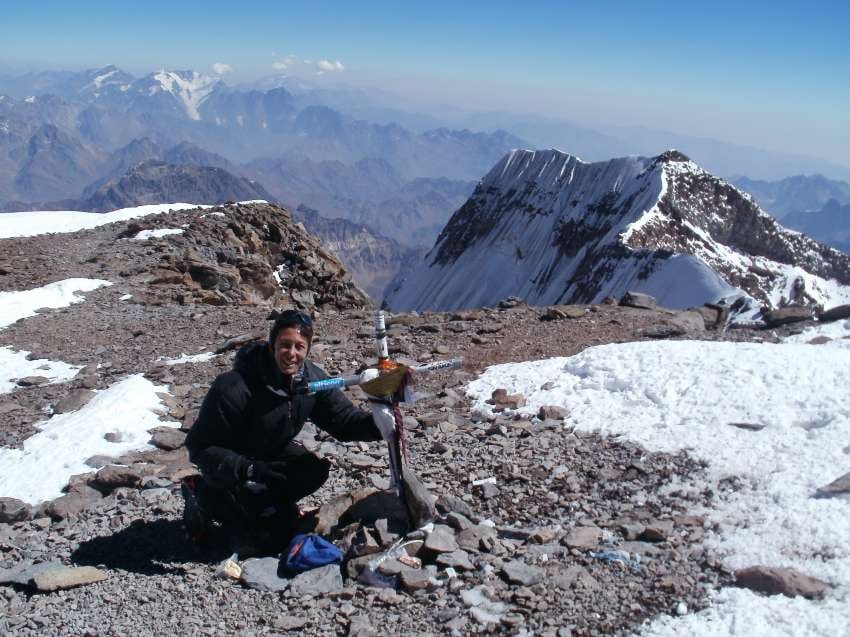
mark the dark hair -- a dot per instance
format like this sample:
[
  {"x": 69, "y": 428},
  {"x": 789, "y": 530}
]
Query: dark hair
[{"x": 292, "y": 318}]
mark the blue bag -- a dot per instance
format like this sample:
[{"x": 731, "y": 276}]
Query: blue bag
[{"x": 307, "y": 551}]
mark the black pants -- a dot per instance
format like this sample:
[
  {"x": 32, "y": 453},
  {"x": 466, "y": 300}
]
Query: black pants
[{"x": 251, "y": 503}]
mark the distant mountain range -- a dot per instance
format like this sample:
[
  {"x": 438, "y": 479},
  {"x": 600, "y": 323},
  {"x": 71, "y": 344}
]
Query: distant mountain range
[
  {"x": 65, "y": 135},
  {"x": 798, "y": 193},
  {"x": 102, "y": 110},
  {"x": 157, "y": 182},
  {"x": 550, "y": 228},
  {"x": 75, "y": 139},
  {"x": 830, "y": 224},
  {"x": 591, "y": 143},
  {"x": 369, "y": 192}
]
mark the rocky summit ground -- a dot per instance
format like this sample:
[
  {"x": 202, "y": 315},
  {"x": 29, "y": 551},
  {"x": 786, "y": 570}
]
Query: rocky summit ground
[{"x": 528, "y": 511}]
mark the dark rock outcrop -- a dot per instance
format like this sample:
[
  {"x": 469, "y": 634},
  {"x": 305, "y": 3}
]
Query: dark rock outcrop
[
  {"x": 251, "y": 254},
  {"x": 156, "y": 182}
]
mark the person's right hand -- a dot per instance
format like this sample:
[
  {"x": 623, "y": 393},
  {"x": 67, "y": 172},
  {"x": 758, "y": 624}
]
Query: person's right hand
[{"x": 271, "y": 474}]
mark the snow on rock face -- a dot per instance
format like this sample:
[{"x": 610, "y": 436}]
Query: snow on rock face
[
  {"x": 550, "y": 228},
  {"x": 189, "y": 87}
]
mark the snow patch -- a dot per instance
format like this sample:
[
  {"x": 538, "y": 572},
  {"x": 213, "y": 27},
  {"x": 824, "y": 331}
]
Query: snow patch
[
  {"x": 17, "y": 305},
  {"x": 187, "y": 358},
  {"x": 838, "y": 331},
  {"x": 14, "y": 364},
  {"x": 156, "y": 234},
  {"x": 826, "y": 292},
  {"x": 40, "y": 470}
]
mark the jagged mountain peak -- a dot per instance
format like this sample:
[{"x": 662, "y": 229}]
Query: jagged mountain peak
[
  {"x": 673, "y": 155},
  {"x": 551, "y": 228}
]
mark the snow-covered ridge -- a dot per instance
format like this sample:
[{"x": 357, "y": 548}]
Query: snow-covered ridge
[
  {"x": 28, "y": 224},
  {"x": 551, "y": 228}
]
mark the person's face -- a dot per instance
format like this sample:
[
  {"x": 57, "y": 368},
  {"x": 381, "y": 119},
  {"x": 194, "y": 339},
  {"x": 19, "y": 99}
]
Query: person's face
[{"x": 290, "y": 350}]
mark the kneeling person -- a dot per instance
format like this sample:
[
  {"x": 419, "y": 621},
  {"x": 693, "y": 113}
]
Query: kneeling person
[{"x": 252, "y": 471}]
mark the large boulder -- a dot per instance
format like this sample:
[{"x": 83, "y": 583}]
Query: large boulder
[
  {"x": 786, "y": 315},
  {"x": 781, "y": 581},
  {"x": 13, "y": 510},
  {"x": 80, "y": 498},
  {"x": 835, "y": 314}
]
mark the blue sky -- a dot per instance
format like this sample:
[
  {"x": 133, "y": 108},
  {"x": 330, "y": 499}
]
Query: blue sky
[{"x": 770, "y": 74}]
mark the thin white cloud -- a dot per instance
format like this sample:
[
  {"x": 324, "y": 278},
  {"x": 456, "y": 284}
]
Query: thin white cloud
[
  {"x": 221, "y": 68},
  {"x": 287, "y": 62},
  {"x": 328, "y": 66},
  {"x": 294, "y": 63}
]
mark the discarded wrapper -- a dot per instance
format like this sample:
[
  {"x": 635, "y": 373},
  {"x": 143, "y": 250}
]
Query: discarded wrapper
[{"x": 229, "y": 568}]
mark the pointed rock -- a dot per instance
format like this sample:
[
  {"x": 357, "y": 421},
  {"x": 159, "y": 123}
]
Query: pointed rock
[{"x": 838, "y": 487}]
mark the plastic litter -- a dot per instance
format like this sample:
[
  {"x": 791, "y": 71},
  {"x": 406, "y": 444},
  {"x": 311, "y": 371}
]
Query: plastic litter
[
  {"x": 396, "y": 551},
  {"x": 481, "y": 607},
  {"x": 624, "y": 557}
]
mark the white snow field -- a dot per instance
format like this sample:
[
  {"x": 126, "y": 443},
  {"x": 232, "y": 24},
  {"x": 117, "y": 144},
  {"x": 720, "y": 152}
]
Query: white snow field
[
  {"x": 29, "y": 224},
  {"x": 40, "y": 470},
  {"x": 676, "y": 395},
  {"x": 18, "y": 305},
  {"x": 838, "y": 331}
]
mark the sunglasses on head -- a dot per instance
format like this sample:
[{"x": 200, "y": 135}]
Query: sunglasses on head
[{"x": 294, "y": 315}]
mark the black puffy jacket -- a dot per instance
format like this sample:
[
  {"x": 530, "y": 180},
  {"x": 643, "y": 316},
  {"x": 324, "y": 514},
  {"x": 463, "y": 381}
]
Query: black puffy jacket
[{"x": 248, "y": 415}]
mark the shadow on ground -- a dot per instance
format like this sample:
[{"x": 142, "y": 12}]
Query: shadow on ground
[{"x": 155, "y": 547}]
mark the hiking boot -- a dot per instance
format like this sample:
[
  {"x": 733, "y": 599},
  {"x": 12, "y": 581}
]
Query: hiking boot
[
  {"x": 195, "y": 520},
  {"x": 251, "y": 537}
]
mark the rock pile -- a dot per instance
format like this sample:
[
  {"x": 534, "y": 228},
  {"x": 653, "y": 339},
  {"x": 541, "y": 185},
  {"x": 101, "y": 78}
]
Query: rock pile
[{"x": 253, "y": 254}]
